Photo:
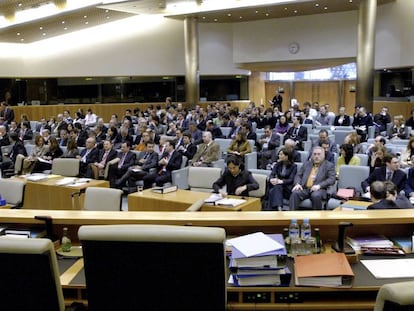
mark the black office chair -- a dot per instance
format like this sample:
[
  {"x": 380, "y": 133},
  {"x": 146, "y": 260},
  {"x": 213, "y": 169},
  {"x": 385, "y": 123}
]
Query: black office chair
[
  {"x": 154, "y": 267},
  {"x": 30, "y": 276}
]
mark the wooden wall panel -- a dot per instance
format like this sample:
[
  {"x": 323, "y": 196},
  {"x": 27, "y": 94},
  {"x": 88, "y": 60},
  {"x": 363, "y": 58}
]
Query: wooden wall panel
[
  {"x": 348, "y": 98},
  {"x": 304, "y": 91}
]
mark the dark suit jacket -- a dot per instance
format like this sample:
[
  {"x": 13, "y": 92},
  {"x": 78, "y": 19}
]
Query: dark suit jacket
[
  {"x": 190, "y": 151},
  {"x": 300, "y": 137},
  {"x": 7, "y": 114},
  {"x": 288, "y": 177},
  {"x": 112, "y": 155},
  {"x": 92, "y": 157},
  {"x": 345, "y": 122},
  {"x": 128, "y": 161},
  {"x": 174, "y": 162},
  {"x": 150, "y": 162},
  {"x": 18, "y": 148},
  {"x": 383, "y": 204},
  {"x": 409, "y": 185},
  {"x": 325, "y": 177},
  {"x": 399, "y": 178}
]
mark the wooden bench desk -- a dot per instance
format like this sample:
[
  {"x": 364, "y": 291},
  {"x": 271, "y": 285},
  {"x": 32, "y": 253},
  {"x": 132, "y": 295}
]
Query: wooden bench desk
[
  {"x": 46, "y": 195},
  {"x": 180, "y": 200}
]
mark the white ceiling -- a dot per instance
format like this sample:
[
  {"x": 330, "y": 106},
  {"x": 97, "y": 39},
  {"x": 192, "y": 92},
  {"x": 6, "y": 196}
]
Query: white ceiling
[{"x": 108, "y": 11}]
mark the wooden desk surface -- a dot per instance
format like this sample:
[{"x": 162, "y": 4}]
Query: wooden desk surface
[
  {"x": 180, "y": 200},
  {"x": 46, "y": 195}
]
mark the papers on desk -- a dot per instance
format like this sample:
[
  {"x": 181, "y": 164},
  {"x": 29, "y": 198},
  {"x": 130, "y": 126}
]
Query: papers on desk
[
  {"x": 255, "y": 244},
  {"x": 43, "y": 160},
  {"x": 390, "y": 268},
  {"x": 217, "y": 199},
  {"x": 72, "y": 181},
  {"x": 37, "y": 177}
]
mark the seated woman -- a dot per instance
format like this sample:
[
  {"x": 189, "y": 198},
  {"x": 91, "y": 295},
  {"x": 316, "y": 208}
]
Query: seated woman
[
  {"x": 237, "y": 180},
  {"x": 398, "y": 130},
  {"x": 407, "y": 154},
  {"x": 377, "y": 157},
  {"x": 281, "y": 180},
  {"x": 239, "y": 146},
  {"x": 354, "y": 140},
  {"x": 39, "y": 150},
  {"x": 71, "y": 149},
  {"x": 282, "y": 126},
  {"x": 346, "y": 157},
  {"x": 45, "y": 162}
]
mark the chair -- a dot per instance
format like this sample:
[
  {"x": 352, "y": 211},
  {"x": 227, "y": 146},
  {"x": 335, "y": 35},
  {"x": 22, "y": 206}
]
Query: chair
[
  {"x": 154, "y": 267},
  {"x": 66, "y": 167},
  {"x": 250, "y": 160},
  {"x": 395, "y": 297},
  {"x": 30, "y": 275},
  {"x": 349, "y": 176},
  {"x": 99, "y": 199},
  {"x": 364, "y": 158},
  {"x": 12, "y": 191},
  {"x": 224, "y": 144},
  {"x": 262, "y": 180}
]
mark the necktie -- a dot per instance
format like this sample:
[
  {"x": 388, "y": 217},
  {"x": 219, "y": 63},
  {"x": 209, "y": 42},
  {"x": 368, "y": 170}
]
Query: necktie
[
  {"x": 121, "y": 162},
  {"x": 103, "y": 161},
  {"x": 389, "y": 175},
  {"x": 85, "y": 156}
]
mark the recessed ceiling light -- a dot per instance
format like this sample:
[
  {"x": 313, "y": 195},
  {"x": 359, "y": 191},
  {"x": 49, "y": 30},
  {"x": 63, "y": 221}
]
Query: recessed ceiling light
[
  {"x": 18, "y": 33},
  {"x": 86, "y": 23},
  {"x": 106, "y": 11},
  {"x": 241, "y": 17},
  {"x": 286, "y": 9},
  {"x": 256, "y": 11},
  {"x": 44, "y": 34},
  {"x": 85, "y": 16},
  {"x": 295, "y": 11},
  {"x": 20, "y": 4},
  {"x": 66, "y": 28},
  {"x": 107, "y": 17},
  {"x": 229, "y": 14},
  {"x": 350, "y": 1},
  {"x": 203, "y": 17},
  {"x": 21, "y": 39},
  {"x": 267, "y": 14},
  {"x": 316, "y": 4},
  {"x": 215, "y": 19},
  {"x": 325, "y": 8},
  {"x": 63, "y": 22}
]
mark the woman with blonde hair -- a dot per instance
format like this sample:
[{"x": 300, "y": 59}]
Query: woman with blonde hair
[
  {"x": 353, "y": 139},
  {"x": 398, "y": 130},
  {"x": 39, "y": 150}
]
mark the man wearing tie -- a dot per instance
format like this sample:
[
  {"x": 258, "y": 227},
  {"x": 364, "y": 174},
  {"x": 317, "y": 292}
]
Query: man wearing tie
[
  {"x": 297, "y": 133},
  {"x": 145, "y": 161},
  {"x": 312, "y": 181},
  {"x": 170, "y": 161},
  {"x": 207, "y": 152},
  {"x": 87, "y": 156},
  {"x": 390, "y": 172},
  {"x": 105, "y": 155},
  {"x": 126, "y": 160}
]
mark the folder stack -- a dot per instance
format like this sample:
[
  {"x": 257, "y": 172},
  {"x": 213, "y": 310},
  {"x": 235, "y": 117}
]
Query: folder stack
[{"x": 261, "y": 266}]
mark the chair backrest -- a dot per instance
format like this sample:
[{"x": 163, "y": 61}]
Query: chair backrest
[
  {"x": 102, "y": 199},
  {"x": 5, "y": 152},
  {"x": 66, "y": 167},
  {"x": 30, "y": 275},
  {"x": 202, "y": 178},
  {"x": 262, "y": 180},
  {"x": 395, "y": 297},
  {"x": 352, "y": 176},
  {"x": 12, "y": 191},
  {"x": 363, "y": 158},
  {"x": 154, "y": 267},
  {"x": 224, "y": 144}
]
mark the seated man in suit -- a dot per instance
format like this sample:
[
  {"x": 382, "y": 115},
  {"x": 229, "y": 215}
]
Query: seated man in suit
[
  {"x": 207, "y": 152},
  {"x": 324, "y": 136},
  {"x": 145, "y": 161},
  {"x": 105, "y": 155},
  {"x": 390, "y": 172},
  {"x": 187, "y": 148},
  {"x": 267, "y": 143},
  {"x": 312, "y": 181},
  {"x": 237, "y": 180},
  {"x": 384, "y": 195},
  {"x": 87, "y": 156},
  {"x": 17, "y": 148},
  {"x": 126, "y": 160},
  {"x": 170, "y": 161},
  {"x": 297, "y": 133}
]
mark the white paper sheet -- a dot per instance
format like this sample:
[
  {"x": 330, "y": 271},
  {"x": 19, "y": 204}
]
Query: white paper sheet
[
  {"x": 255, "y": 244},
  {"x": 390, "y": 268}
]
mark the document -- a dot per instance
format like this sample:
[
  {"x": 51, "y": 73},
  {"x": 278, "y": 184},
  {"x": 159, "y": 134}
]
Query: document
[
  {"x": 390, "y": 268},
  {"x": 255, "y": 244}
]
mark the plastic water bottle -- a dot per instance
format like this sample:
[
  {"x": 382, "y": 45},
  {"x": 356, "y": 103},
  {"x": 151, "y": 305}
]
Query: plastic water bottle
[
  {"x": 305, "y": 230},
  {"x": 293, "y": 229},
  {"x": 66, "y": 242}
]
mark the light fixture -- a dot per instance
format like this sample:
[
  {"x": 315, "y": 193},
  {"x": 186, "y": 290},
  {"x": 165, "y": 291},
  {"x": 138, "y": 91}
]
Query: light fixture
[{"x": 55, "y": 7}]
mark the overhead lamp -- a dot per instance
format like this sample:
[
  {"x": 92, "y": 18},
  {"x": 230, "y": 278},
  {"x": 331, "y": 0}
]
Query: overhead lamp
[{"x": 49, "y": 9}]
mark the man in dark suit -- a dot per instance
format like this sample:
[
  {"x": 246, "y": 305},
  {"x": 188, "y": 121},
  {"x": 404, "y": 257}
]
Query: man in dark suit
[
  {"x": 247, "y": 130},
  {"x": 187, "y": 148},
  {"x": 170, "y": 161},
  {"x": 17, "y": 148},
  {"x": 297, "y": 133},
  {"x": 385, "y": 196},
  {"x": 107, "y": 154},
  {"x": 6, "y": 113},
  {"x": 126, "y": 160},
  {"x": 145, "y": 161},
  {"x": 87, "y": 156},
  {"x": 215, "y": 130},
  {"x": 25, "y": 132},
  {"x": 313, "y": 180},
  {"x": 390, "y": 172},
  {"x": 42, "y": 125},
  {"x": 266, "y": 145}
]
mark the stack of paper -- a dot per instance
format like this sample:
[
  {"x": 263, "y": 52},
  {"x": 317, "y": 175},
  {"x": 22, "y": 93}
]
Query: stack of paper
[
  {"x": 259, "y": 260},
  {"x": 374, "y": 241}
]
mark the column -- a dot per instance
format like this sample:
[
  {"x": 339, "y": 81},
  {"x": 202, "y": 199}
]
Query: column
[
  {"x": 192, "y": 72},
  {"x": 365, "y": 53}
]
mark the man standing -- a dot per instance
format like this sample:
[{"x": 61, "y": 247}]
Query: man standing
[
  {"x": 312, "y": 181},
  {"x": 277, "y": 100}
]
